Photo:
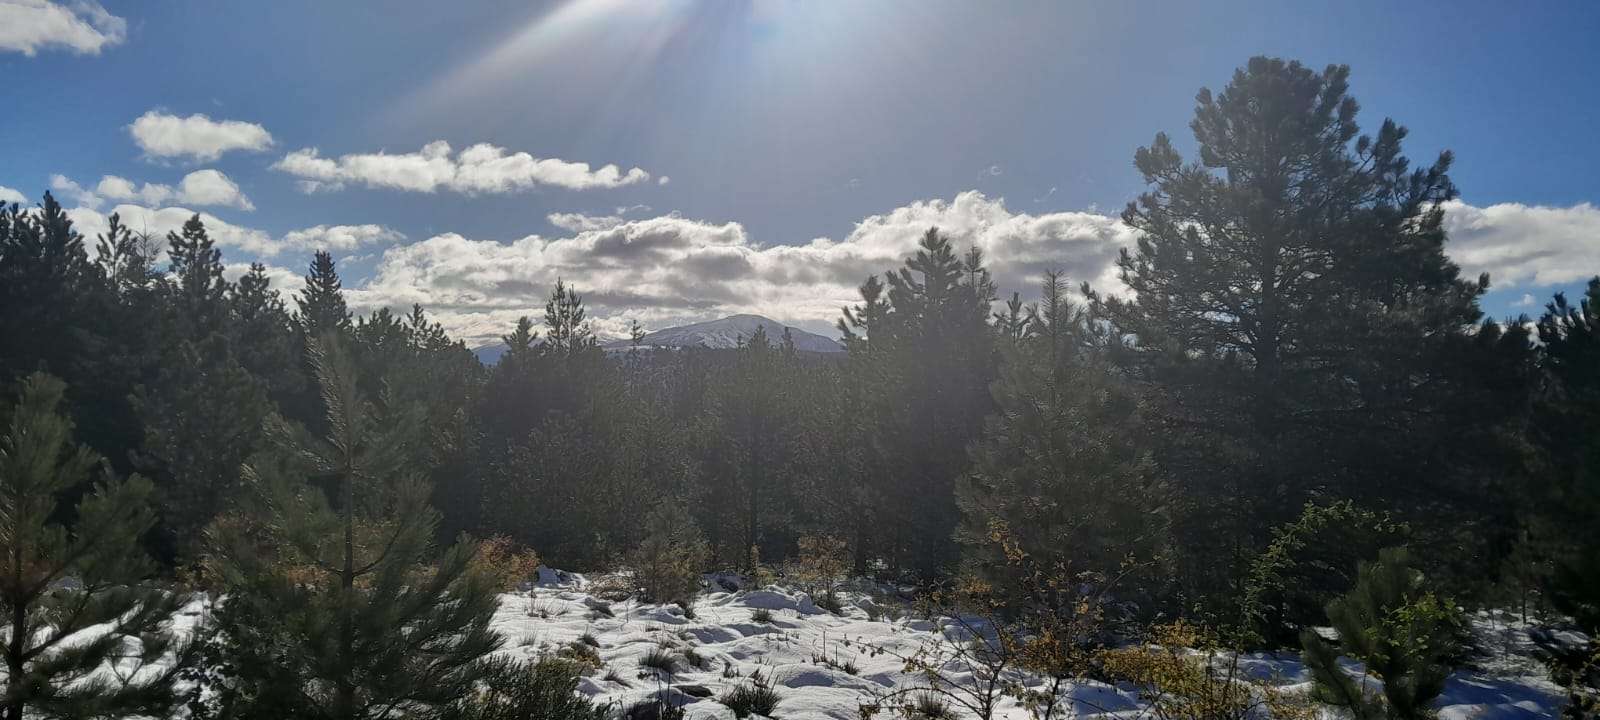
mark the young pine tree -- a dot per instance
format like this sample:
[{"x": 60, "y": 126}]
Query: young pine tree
[
  {"x": 337, "y": 605},
  {"x": 57, "y": 583},
  {"x": 1403, "y": 633},
  {"x": 1064, "y": 462}
]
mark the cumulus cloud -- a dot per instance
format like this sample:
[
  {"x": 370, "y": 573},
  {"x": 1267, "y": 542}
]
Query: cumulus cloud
[
  {"x": 479, "y": 169},
  {"x": 157, "y": 222},
  {"x": 668, "y": 270},
  {"x": 8, "y": 196},
  {"x": 202, "y": 187},
  {"x": 211, "y": 187},
  {"x": 1525, "y": 244},
  {"x": 198, "y": 137},
  {"x": 82, "y": 27},
  {"x": 340, "y": 238},
  {"x": 234, "y": 239}
]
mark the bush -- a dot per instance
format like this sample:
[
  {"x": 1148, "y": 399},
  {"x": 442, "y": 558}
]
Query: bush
[
  {"x": 1403, "y": 634},
  {"x": 582, "y": 654},
  {"x": 1310, "y": 562},
  {"x": 661, "y": 659},
  {"x": 668, "y": 563},
  {"x": 821, "y": 562},
  {"x": 544, "y": 690},
  {"x": 508, "y": 563},
  {"x": 755, "y": 698},
  {"x": 761, "y": 615},
  {"x": 1207, "y": 685}
]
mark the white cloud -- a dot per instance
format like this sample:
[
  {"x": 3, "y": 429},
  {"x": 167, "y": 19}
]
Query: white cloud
[
  {"x": 83, "y": 27},
  {"x": 157, "y": 222},
  {"x": 211, "y": 187},
  {"x": 481, "y": 168},
  {"x": 64, "y": 188},
  {"x": 161, "y": 135},
  {"x": 279, "y": 278},
  {"x": 341, "y": 238},
  {"x": 1521, "y": 245},
  {"x": 663, "y": 180},
  {"x": 667, "y": 270},
  {"x": 1525, "y": 301},
  {"x": 201, "y": 187},
  {"x": 8, "y": 196},
  {"x": 579, "y": 222}
]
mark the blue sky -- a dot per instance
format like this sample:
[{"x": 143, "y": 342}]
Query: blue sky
[{"x": 775, "y": 123}]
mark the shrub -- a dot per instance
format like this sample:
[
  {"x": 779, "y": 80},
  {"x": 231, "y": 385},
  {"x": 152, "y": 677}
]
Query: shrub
[
  {"x": 929, "y": 705},
  {"x": 1206, "y": 685},
  {"x": 1310, "y": 562},
  {"x": 543, "y": 690},
  {"x": 1402, "y": 633},
  {"x": 694, "y": 658},
  {"x": 582, "y": 654},
  {"x": 754, "y": 698},
  {"x": 761, "y": 615},
  {"x": 668, "y": 563},
  {"x": 589, "y": 639},
  {"x": 508, "y": 563},
  {"x": 822, "y": 560},
  {"x": 660, "y": 659}
]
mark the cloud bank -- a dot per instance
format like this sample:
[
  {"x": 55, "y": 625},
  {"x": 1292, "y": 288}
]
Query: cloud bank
[
  {"x": 479, "y": 169},
  {"x": 83, "y": 27}
]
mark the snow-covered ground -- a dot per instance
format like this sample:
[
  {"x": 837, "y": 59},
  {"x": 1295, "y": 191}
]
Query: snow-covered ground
[{"x": 823, "y": 665}]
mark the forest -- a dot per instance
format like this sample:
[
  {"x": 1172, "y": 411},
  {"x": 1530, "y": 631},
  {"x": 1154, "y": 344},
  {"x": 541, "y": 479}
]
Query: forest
[{"x": 1292, "y": 415}]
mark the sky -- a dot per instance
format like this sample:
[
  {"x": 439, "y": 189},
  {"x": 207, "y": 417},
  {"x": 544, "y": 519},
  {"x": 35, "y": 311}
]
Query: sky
[{"x": 679, "y": 161}]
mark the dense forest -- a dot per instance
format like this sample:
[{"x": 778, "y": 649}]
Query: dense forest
[{"x": 1295, "y": 391}]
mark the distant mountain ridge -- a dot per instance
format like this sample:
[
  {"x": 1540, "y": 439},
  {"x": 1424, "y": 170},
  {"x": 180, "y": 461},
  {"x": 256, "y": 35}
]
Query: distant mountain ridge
[
  {"x": 727, "y": 333},
  {"x": 721, "y": 334}
]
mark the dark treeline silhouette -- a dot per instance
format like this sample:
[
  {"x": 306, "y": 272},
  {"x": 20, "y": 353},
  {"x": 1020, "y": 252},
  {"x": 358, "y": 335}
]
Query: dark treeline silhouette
[{"x": 1299, "y": 379}]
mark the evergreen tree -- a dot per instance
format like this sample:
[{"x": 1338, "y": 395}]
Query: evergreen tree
[
  {"x": 337, "y": 607},
  {"x": 754, "y": 410},
  {"x": 1566, "y": 499},
  {"x": 925, "y": 352},
  {"x": 1064, "y": 464},
  {"x": 1297, "y": 319},
  {"x": 1402, "y": 633},
  {"x": 321, "y": 301},
  {"x": 202, "y": 412},
  {"x": 263, "y": 332},
  {"x": 58, "y": 582}
]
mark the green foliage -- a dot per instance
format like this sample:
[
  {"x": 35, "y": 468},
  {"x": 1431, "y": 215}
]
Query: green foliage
[
  {"x": 510, "y": 690},
  {"x": 1404, "y": 635},
  {"x": 336, "y": 605},
  {"x": 756, "y": 697},
  {"x": 1064, "y": 462},
  {"x": 1309, "y": 563},
  {"x": 667, "y": 564},
  {"x": 59, "y": 582}
]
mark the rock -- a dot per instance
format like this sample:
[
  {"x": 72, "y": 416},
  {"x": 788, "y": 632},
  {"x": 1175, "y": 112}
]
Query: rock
[{"x": 699, "y": 691}]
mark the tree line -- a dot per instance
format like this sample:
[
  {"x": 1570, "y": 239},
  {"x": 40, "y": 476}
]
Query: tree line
[{"x": 1296, "y": 378}]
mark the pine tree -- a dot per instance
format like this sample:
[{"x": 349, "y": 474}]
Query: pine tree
[
  {"x": 1064, "y": 462},
  {"x": 754, "y": 411},
  {"x": 202, "y": 411},
  {"x": 1566, "y": 497},
  {"x": 58, "y": 582},
  {"x": 924, "y": 352},
  {"x": 321, "y": 302},
  {"x": 337, "y": 607},
  {"x": 1296, "y": 317},
  {"x": 1402, "y": 633},
  {"x": 566, "y": 330}
]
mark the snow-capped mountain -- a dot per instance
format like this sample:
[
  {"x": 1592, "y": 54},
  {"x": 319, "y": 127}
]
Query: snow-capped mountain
[
  {"x": 726, "y": 333},
  {"x": 723, "y": 334}
]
